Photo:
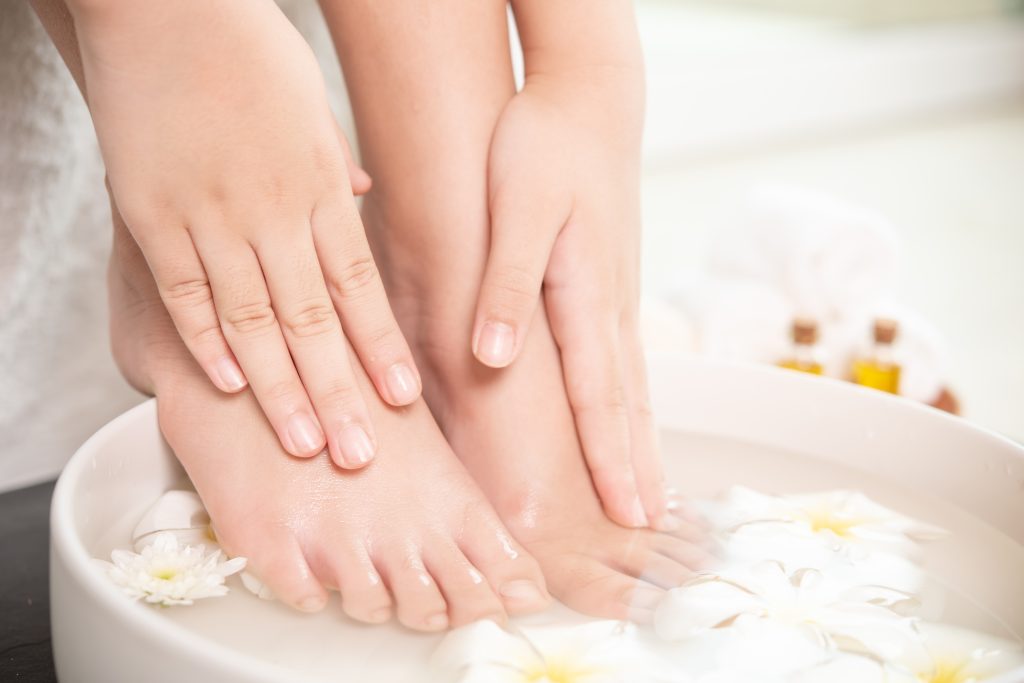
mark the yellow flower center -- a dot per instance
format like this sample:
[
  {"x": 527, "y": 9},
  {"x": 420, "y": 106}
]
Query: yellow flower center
[
  {"x": 825, "y": 520},
  {"x": 557, "y": 672},
  {"x": 164, "y": 573},
  {"x": 947, "y": 672}
]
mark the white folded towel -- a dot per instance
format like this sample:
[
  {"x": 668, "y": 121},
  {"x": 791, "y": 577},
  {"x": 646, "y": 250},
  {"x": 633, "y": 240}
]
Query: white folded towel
[{"x": 794, "y": 252}]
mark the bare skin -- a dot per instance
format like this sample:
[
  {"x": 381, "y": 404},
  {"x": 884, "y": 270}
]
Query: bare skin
[
  {"x": 412, "y": 535},
  {"x": 513, "y": 428}
]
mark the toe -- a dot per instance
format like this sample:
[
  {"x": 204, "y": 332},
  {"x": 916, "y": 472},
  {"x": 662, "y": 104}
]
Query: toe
[
  {"x": 468, "y": 594},
  {"x": 419, "y": 603},
  {"x": 509, "y": 569},
  {"x": 278, "y": 561},
  {"x": 655, "y": 568},
  {"x": 592, "y": 587},
  {"x": 364, "y": 596},
  {"x": 696, "y": 557}
]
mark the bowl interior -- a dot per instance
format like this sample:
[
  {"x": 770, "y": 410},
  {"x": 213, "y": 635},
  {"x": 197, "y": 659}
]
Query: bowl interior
[{"x": 772, "y": 430}]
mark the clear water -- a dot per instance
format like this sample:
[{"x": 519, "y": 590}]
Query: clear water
[{"x": 982, "y": 568}]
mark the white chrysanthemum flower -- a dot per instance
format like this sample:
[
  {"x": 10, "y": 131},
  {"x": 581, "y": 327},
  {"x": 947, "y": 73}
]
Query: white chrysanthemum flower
[
  {"x": 592, "y": 652},
  {"x": 843, "y": 520},
  {"x": 830, "y": 615},
  {"x": 957, "y": 655},
  {"x": 169, "y": 573}
]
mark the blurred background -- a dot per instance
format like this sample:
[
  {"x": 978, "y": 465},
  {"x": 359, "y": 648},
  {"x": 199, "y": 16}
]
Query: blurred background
[{"x": 912, "y": 109}]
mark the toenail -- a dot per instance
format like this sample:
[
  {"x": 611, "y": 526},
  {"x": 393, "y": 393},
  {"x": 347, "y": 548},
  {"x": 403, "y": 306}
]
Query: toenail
[
  {"x": 439, "y": 620},
  {"x": 637, "y": 513},
  {"x": 668, "y": 522},
  {"x": 645, "y": 598},
  {"x": 522, "y": 591},
  {"x": 312, "y": 604},
  {"x": 379, "y": 616}
]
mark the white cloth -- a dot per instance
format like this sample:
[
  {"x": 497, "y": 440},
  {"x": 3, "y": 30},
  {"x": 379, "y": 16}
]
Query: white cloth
[
  {"x": 798, "y": 253},
  {"x": 58, "y": 383}
]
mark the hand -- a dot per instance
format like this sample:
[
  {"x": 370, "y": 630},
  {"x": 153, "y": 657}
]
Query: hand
[
  {"x": 564, "y": 202},
  {"x": 231, "y": 174}
]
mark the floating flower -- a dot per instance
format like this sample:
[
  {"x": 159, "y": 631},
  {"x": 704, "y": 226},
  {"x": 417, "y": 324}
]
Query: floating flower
[
  {"x": 592, "y": 652},
  {"x": 840, "y": 519},
  {"x": 829, "y": 615},
  {"x": 956, "y": 655},
  {"x": 169, "y": 573}
]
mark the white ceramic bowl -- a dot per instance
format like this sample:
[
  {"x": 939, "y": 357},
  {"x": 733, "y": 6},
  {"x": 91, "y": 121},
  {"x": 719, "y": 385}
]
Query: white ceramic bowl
[{"x": 722, "y": 424}]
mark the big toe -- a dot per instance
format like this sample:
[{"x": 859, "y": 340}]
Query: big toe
[
  {"x": 511, "y": 571},
  {"x": 590, "y": 586},
  {"x": 277, "y": 560}
]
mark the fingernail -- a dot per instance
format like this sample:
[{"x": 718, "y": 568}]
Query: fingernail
[
  {"x": 355, "y": 444},
  {"x": 523, "y": 591},
  {"x": 495, "y": 344},
  {"x": 402, "y": 384},
  {"x": 636, "y": 514},
  {"x": 305, "y": 433},
  {"x": 230, "y": 375},
  {"x": 437, "y": 621},
  {"x": 312, "y": 604},
  {"x": 645, "y": 598}
]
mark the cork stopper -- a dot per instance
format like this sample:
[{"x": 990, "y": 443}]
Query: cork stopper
[
  {"x": 886, "y": 330},
  {"x": 805, "y": 331}
]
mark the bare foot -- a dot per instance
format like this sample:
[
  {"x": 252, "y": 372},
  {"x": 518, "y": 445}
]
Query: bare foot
[{"x": 410, "y": 534}]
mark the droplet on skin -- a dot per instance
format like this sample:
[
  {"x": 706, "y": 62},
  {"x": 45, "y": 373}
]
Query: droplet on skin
[
  {"x": 476, "y": 576},
  {"x": 506, "y": 545}
]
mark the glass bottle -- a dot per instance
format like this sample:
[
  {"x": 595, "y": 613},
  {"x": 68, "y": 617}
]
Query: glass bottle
[
  {"x": 878, "y": 369},
  {"x": 804, "y": 355}
]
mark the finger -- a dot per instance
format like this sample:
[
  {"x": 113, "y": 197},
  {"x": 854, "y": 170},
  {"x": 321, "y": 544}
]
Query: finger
[
  {"x": 313, "y": 332},
  {"x": 355, "y": 287},
  {"x": 359, "y": 179},
  {"x": 185, "y": 291},
  {"x": 523, "y": 231},
  {"x": 251, "y": 329},
  {"x": 592, "y": 365},
  {"x": 647, "y": 464}
]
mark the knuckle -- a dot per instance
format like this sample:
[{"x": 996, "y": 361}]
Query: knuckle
[
  {"x": 313, "y": 319},
  {"x": 514, "y": 286},
  {"x": 207, "y": 336},
  {"x": 283, "y": 391},
  {"x": 340, "y": 394},
  {"x": 190, "y": 293},
  {"x": 250, "y": 318},
  {"x": 355, "y": 278}
]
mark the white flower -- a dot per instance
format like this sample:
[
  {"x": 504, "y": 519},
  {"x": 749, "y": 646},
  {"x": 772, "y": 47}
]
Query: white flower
[
  {"x": 592, "y": 652},
  {"x": 169, "y": 573},
  {"x": 957, "y": 655},
  {"x": 842, "y": 520},
  {"x": 829, "y": 615}
]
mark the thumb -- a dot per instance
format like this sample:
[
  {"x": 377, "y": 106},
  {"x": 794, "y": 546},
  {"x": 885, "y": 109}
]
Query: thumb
[{"x": 521, "y": 243}]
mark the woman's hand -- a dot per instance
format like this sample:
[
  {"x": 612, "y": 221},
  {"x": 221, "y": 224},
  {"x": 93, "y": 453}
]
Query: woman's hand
[
  {"x": 231, "y": 174},
  {"x": 565, "y": 214}
]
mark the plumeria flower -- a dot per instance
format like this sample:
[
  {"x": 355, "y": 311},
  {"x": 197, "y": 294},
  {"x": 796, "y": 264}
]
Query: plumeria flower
[
  {"x": 957, "y": 655},
  {"x": 843, "y": 520},
  {"x": 829, "y": 615},
  {"x": 169, "y": 573},
  {"x": 591, "y": 652}
]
